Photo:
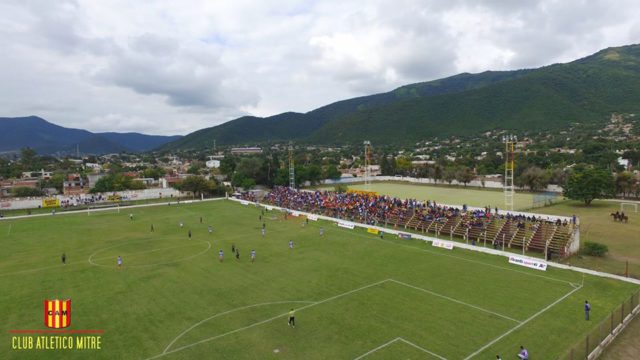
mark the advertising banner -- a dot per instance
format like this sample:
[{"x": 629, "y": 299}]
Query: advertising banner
[{"x": 530, "y": 263}]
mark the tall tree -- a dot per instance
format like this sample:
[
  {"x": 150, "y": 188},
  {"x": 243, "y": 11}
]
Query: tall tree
[{"x": 587, "y": 184}]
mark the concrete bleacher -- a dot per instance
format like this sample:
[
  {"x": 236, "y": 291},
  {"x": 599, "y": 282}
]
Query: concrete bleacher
[{"x": 514, "y": 230}]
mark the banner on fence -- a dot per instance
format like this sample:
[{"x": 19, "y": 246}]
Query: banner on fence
[
  {"x": 404, "y": 236},
  {"x": 312, "y": 217},
  {"x": 114, "y": 198},
  {"x": 295, "y": 213},
  {"x": 346, "y": 225},
  {"x": 269, "y": 208},
  {"x": 443, "y": 244},
  {"x": 526, "y": 262},
  {"x": 373, "y": 231},
  {"x": 53, "y": 202},
  {"x": 244, "y": 202}
]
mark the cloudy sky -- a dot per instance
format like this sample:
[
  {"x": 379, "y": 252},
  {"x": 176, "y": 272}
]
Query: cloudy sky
[{"x": 172, "y": 67}]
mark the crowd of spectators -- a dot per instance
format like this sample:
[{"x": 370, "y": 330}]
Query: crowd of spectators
[{"x": 373, "y": 209}]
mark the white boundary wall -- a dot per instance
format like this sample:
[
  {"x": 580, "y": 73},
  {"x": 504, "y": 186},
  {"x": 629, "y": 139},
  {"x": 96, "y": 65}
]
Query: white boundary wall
[
  {"x": 34, "y": 203},
  {"x": 455, "y": 244}
]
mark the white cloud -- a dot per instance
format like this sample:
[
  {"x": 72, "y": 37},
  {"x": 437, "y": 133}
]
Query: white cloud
[{"x": 171, "y": 67}]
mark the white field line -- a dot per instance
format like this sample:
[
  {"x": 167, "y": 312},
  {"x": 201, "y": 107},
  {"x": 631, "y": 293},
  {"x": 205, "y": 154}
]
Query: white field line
[
  {"x": 149, "y": 251},
  {"x": 459, "y": 258},
  {"x": 266, "y": 321},
  {"x": 491, "y": 252},
  {"x": 522, "y": 323},
  {"x": 167, "y": 351},
  {"x": 93, "y": 254},
  {"x": 71, "y": 212},
  {"x": 376, "y": 349},
  {"x": 404, "y": 341},
  {"x": 228, "y": 312},
  {"x": 455, "y": 300},
  {"x": 162, "y": 263},
  {"x": 421, "y": 348}
]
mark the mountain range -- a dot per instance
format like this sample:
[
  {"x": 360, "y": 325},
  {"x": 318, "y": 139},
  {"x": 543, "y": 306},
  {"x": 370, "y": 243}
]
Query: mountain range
[
  {"x": 48, "y": 138},
  {"x": 586, "y": 90},
  {"x": 552, "y": 97}
]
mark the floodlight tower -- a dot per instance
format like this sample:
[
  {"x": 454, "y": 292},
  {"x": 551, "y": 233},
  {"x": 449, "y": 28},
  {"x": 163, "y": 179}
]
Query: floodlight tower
[
  {"x": 509, "y": 167},
  {"x": 292, "y": 171},
  {"x": 367, "y": 164}
]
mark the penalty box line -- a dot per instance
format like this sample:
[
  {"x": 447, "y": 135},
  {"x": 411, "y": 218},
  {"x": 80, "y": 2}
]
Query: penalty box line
[
  {"x": 167, "y": 351},
  {"x": 404, "y": 341},
  {"x": 522, "y": 323}
]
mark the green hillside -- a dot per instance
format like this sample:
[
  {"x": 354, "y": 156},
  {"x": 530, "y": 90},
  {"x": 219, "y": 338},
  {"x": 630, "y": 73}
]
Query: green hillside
[{"x": 585, "y": 90}]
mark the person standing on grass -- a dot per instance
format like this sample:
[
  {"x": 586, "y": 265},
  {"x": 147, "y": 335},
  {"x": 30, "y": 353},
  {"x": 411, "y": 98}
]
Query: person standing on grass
[
  {"x": 292, "y": 318},
  {"x": 210, "y": 229},
  {"x": 321, "y": 231},
  {"x": 221, "y": 255},
  {"x": 64, "y": 259},
  {"x": 253, "y": 255},
  {"x": 152, "y": 228},
  {"x": 498, "y": 357},
  {"x": 263, "y": 232},
  {"x": 189, "y": 233},
  {"x": 181, "y": 224},
  {"x": 237, "y": 254},
  {"x": 130, "y": 216},
  {"x": 119, "y": 261},
  {"x": 290, "y": 244},
  {"x": 523, "y": 354},
  {"x": 200, "y": 219},
  {"x": 587, "y": 309}
]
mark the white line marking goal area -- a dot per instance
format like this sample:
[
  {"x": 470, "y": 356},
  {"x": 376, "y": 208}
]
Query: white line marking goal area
[{"x": 487, "y": 314}]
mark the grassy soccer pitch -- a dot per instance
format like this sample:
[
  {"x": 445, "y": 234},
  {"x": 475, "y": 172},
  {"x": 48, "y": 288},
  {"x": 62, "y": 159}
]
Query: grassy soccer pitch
[{"x": 357, "y": 296}]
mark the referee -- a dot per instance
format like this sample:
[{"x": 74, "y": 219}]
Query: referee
[{"x": 292, "y": 318}]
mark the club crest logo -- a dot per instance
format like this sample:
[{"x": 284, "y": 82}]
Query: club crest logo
[{"x": 57, "y": 313}]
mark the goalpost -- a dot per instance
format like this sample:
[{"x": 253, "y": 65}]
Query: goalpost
[{"x": 635, "y": 206}]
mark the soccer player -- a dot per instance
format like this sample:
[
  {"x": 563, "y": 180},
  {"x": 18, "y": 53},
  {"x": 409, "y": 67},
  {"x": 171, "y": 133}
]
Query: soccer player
[
  {"x": 290, "y": 244},
  {"x": 152, "y": 228},
  {"x": 221, "y": 255},
  {"x": 181, "y": 224},
  {"x": 189, "y": 233},
  {"x": 292, "y": 318},
  {"x": 321, "y": 231},
  {"x": 64, "y": 259},
  {"x": 523, "y": 354},
  {"x": 130, "y": 216},
  {"x": 119, "y": 261},
  {"x": 233, "y": 248},
  {"x": 498, "y": 357},
  {"x": 237, "y": 254},
  {"x": 253, "y": 255},
  {"x": 210, "y": 229},
  {"x": 200, "y": 219},
  {"x": 263, "y": 231},
  {"x": 587, "y": 308}
]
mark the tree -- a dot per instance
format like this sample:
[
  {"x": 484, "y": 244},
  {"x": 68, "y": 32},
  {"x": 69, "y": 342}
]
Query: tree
[
  {"x": 625, "y": 182},
  {"x": 116, "y": 182},
  {"x": 464, "y": 175},
  {"x": 331, "y": 172},
  {"x": 403, "y": 165},
  {"x": 153, "y": 172},
  {"x": 587, "y": 184},
  {"x": 449, "y": 174},
  {"x": 535, "y": 178},
  {"x": 197, "y": 185},
  {"x": 25, "y": 191}
]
